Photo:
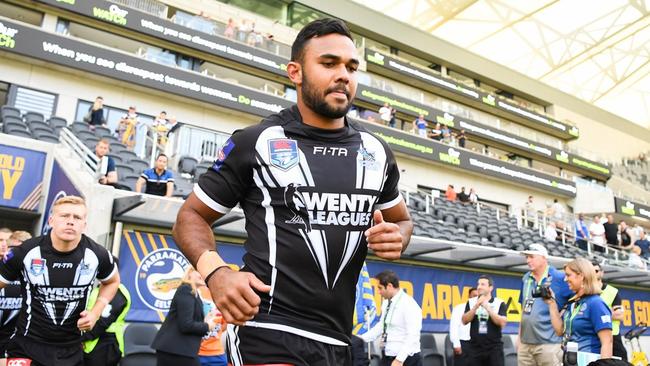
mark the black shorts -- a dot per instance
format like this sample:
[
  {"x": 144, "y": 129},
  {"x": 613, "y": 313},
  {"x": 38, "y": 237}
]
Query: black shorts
[
  {"x": 43, "y": 354},
  {"x": 259, "y": 346}
]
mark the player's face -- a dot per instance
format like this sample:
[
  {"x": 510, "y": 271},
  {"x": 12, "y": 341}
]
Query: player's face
[
  {"x": 68, "y": 221},
  {"x": 329, "y": 82},
  {"x": 4, "y": 239}
]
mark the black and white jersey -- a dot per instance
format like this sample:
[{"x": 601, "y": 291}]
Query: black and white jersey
[
  {"x": 308, "y": 195},
  {"x": 11, "y": 300},
  {"x": 55, "y": 286}
]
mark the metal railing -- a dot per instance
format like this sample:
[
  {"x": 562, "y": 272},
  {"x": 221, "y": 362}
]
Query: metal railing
[
  {"x": 566, "y": 235},
  {"x": 79, "y": 150}
]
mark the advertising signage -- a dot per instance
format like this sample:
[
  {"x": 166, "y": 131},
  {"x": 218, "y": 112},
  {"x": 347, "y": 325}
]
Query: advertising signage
[
  {"x": 375, "y": 58},
  {"x": 631, "y": 208},
  {"x": 379, "y": 97},
  {"x": 463, "y": 159},
  {"x": 164, "y": 29},
  {"x": 72, "y": 53}
]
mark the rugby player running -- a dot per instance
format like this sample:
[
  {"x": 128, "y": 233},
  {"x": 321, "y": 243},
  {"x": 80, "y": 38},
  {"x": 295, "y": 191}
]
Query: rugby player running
[{"x": 292, "y": 302}]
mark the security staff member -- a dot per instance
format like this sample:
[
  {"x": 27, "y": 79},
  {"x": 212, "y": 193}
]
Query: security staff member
[
  {"x": 487, "y": 315},
  {"x": 612, "y": 298},
  {"x": 104, "y": 344}
]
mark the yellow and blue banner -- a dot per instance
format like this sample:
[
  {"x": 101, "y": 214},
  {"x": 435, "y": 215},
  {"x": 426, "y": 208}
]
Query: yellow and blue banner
[
  {"x": 151, "y": 267},
  {"x": 21, "y": 177},
  {"x": 365, "y": 309}
]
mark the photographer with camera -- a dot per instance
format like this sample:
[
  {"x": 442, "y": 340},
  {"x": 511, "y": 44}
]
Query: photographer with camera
[
  {"x": 538, "y": 344},
  {"x": 613, "y": 300},
  {"x": 586, "y": 322}
]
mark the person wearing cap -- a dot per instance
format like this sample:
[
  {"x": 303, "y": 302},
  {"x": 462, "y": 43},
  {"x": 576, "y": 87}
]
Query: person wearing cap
[
  {"x": 612, "y": 298},
  {"x": 538, "y": 343}
]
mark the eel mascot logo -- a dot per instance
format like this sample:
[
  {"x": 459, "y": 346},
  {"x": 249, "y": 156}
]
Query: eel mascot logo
[{"x": 158, "y": 276}]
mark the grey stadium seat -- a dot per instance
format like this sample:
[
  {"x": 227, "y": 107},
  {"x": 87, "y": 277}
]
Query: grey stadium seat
[
  {"x": 33, "y": 116},
  {"x": 57, "y": 122},
  {"x": 429, "y": 351},
  {"x": 6, "y": 110},
  {"x": 19, "y": 132},
  {"x": 137, "y": 345},
  {"x": 187, "y": 164}
]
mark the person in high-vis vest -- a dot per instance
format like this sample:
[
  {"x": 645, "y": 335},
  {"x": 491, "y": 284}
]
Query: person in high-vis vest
[
  {"x": 612, "y": 298},
  {"x": 104, "y": 344}
]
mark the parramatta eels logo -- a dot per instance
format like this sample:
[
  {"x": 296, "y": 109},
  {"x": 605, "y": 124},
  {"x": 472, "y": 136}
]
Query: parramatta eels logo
[{"x": 158, "y": 276}]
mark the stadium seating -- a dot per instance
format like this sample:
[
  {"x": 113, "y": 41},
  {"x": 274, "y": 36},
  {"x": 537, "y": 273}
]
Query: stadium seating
[
  {"x": 638, "y": 172},
  {"x": 137, "y": 345},
  {"x": 458, "y": 222},
  {"x": 429, "y": 351}
]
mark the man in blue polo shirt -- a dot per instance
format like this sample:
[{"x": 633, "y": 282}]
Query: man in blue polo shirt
[
  {"x": 644, "y": 244},
  {"x": 538, "y": 343},
  {"x": 158, "y": 180}
]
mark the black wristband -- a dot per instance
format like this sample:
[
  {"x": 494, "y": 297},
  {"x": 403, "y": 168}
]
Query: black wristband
[{"x": 207, "y": 278}]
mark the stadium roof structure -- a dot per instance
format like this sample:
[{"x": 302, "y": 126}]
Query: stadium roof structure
[{"x": 598, "y": 51}]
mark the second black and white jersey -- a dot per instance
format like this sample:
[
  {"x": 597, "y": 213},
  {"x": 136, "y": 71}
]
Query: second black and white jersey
[
  {"x": 308, "y": 195},
  {"x": 11, "y": 300},
  {"x": 55, "y": 286}
]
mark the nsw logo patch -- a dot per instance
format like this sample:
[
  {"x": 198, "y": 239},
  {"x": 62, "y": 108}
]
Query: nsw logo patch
[
  {"x": 37, "y": 266},
  {"x": 284, "y": 153}
]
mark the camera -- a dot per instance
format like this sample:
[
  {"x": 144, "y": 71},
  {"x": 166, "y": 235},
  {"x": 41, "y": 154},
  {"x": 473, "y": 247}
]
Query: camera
[{"x": 543, "y": 291}]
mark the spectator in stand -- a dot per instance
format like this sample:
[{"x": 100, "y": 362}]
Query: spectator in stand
[
  {"x": 530, "y": 212},
  {"x": 582, "y": 234},
  {"x": 18, "y": 237},
  {"x": 161, "y": 126},
  {"x": 420, "y": 126},
  {"x": 450, "y": 193},
  {"x": 393, "y": 120},
  {"x": 597, "y": 234},
  {"x": 436, "y": 133},
  {"x": 158, "y": 180},
  {"x": 95, "y": 115},
  {"x": 230, "y": 30},
  {"x": 462, "y": 196},
  {"x": 126, "y": 129},
  {"x": 644, "y": 244},
  {"x": 384, "y": 113},
  {"x": 473, "y": 197},
  {"x": 461, "y": 138},
  {"x": 611, "y": 231},
  {"x": 458, "y": 333},
  {"x": 557, "y": 210},
  {"x": 550, "y": 232},
  {"x": 106, "y": 166},
  {"x": 245, "y": 28},
  {"x": 635, "y": 260},
  {"x": 560, "y": 229},
  {"x": 446, "y": 134},
  {"x": 625, "y": 236}
]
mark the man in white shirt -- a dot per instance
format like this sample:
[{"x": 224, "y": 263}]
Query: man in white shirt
[
  {"x": 399, "y": 326},
  {"x": 597, "y": 232},
  {"x": 487, "y": 316},
  {"x": 459, "y": 333},
  {"x": 384, "y": 113}
]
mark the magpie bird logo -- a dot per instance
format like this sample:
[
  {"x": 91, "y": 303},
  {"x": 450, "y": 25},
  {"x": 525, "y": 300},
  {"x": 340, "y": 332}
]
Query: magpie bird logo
[{"x": 296, "y": 203}]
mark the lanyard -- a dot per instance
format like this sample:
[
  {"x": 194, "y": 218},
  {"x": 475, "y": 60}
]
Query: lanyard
[
  {"x": 531, "y": 280},
  {"x": 389, "y": 312},
  {"x": 568, "y": 321}
]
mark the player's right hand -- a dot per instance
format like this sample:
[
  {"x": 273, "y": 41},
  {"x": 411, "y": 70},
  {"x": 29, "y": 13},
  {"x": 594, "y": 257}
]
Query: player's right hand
[{"x": 234, "y": 294}]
